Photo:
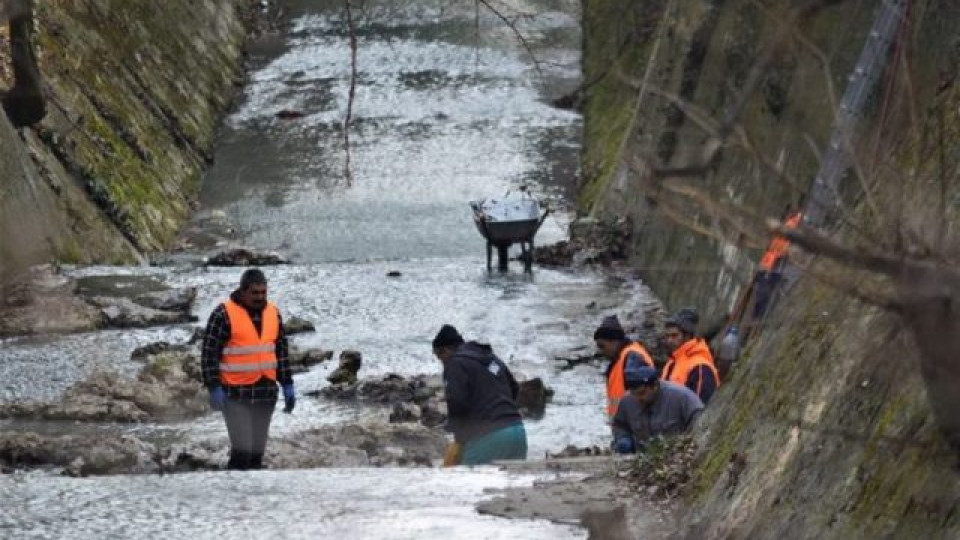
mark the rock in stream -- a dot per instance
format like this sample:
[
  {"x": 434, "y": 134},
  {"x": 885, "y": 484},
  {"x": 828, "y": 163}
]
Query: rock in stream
[
  {"x": 373, "y": 444},
  {"x": 166, "y": 388},
  {"x": 49, "y": 301},
  {"x": 246, "y": 257},
  {"x": 44, "y": 303},
  {"x": 346, "y": 372}
]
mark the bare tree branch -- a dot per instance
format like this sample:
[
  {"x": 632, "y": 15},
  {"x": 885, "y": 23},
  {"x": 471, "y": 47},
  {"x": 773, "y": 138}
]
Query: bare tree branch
[
  {"x": 700, "y": 116},
  {"x": 512, "y": 25},
  {"x": 746, "y": 226},
  {"x": 351, "y": 96},
  {"x": 855, "y": 288},
  {"x": 476, "y": 35},
  {"x": 710, "y": 154},
  {"x": 816, "y": 242}
]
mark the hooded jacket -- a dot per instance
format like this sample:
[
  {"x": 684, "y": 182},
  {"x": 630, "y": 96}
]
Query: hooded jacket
[{"x": 481, "y": 392}]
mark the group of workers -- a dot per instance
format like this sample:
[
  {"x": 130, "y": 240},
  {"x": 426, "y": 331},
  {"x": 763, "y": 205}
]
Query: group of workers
[
  {"x": 645, "y": 402},
  {"x": 245, "y": 368}
]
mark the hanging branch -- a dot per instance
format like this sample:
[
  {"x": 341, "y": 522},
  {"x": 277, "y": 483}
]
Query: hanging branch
[
  {"x": 512, "y": 25},
  {"x": 710, "y": 153},
  {"x": 476, "y": 35},
  {"x": 351, "y": 95}
]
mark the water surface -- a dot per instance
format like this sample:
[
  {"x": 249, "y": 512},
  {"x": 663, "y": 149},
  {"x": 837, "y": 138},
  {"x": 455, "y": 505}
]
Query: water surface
[{"x": 446, "y": 111}]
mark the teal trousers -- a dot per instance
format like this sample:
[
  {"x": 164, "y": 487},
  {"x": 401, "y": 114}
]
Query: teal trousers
[{"x": 506, "y": 443}]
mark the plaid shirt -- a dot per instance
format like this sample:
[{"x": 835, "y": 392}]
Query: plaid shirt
[{"x": 215, "y": 339}]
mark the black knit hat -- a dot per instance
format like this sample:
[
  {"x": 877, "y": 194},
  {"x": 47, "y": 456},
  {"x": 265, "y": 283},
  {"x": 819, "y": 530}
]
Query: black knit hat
[
  {"x": 610, "y": 329},
  {"x": 686, "y": 320},
  {"x": 447, "y": 337}
]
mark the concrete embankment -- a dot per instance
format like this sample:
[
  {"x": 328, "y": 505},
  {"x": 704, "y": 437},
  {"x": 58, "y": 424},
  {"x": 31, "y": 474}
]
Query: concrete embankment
[
  {"x": 825, "y": 428},
  {"x": 135, "y": 90}
]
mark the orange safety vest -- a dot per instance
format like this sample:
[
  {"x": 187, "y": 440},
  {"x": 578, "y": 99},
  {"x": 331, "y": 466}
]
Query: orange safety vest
[
  {"x": 249, "y": 355},
  {"x": 779, "y": 245},
  {"x": 616, "y": 385},
  {"x": 685, "y": 359}
]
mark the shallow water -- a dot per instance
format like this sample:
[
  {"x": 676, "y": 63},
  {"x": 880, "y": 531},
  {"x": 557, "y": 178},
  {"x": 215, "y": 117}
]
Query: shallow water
[
  {"x": 443, "y": 115},
  {"x": 528, "y": 320},
  {"x": 439, "y": 120},
  {"x": 336, "y": 503}
]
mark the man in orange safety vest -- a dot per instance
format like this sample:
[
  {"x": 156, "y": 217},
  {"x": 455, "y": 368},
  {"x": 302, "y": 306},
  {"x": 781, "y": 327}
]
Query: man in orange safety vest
[
  {"x": 623, "y": 354},
  {"x": 244, "y": 358},
  {"x": 691, "y": 363},
  {"x": 770, "y": 272}
]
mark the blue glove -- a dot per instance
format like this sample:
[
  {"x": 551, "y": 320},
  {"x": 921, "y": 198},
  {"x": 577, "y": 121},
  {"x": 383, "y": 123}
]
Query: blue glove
[
  {"x": 289, "y": 398},
  {"x": 624, "y": 445},
  {"x": 218, "y": 398}
]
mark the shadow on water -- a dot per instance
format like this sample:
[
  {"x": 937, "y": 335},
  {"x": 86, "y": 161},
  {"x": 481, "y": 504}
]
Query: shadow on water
[{"x": 512, "y": 285}]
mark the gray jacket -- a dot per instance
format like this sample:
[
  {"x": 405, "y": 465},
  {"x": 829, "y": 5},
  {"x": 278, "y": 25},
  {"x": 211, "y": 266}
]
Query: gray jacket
[{"x": 673, "y": 411}]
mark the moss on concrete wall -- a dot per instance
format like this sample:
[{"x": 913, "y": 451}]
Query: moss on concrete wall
[
  {"x": 137, "y": 88},
  {"x": 618, "y": 37},
  {"x": 825, "y": 429},
  {"x": 825, "y": 432},
  {"x": 702, "y": 51}
]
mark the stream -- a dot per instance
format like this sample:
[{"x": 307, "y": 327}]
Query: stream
[{"x": 447, "y": 110}]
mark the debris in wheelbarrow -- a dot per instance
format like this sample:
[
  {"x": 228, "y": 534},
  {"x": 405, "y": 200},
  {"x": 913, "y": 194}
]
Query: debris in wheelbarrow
[{"x": 511, "y": 220}]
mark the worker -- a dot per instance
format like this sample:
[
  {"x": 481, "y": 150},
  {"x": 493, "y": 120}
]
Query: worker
[
  {"x": 690, "y": 363},
  {"x": 481, "y": 396},
  {"x": 652, "y": 408},
  {"x": 244, "y": 357},
  {"x": 623, "y": 354},
  {"x": 770, "y": 273}
]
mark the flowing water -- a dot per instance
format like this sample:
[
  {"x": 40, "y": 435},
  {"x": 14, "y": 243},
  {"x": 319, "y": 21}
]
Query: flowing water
[
  {"x": 333, "y": 503},
  {"x": 448, "y": 110}
]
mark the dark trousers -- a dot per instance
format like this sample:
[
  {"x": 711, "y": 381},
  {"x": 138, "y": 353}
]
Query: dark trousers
[
  {"x": 248, "y": 425},
  {"x": 764, "y": 289}
]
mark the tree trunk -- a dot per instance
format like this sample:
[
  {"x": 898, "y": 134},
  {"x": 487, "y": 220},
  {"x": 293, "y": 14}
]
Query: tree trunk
[
  {"x": 931, "y": 310},
  {"x": 24, "y": 103}
]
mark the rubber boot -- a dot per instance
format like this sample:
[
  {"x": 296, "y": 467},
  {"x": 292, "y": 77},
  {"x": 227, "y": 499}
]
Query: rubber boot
[{"x": 239, "y": 461}]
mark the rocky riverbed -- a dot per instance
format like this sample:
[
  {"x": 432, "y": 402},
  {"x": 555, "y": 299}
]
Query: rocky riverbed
[
  {"x": 46, "y": 300},
  {"x": 613, "y": 497},
  {"x": 368, "y": 269}
]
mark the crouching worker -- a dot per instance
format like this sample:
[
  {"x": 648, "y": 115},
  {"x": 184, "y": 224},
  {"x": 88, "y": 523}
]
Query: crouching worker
[
  {"x": 652, "y": 407},
  {"x": 481, "y": 397},
  {"x": 623, "y": 354},
  {"x": 690, "y": 363},
  {"x": 244, "y": 357}
]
